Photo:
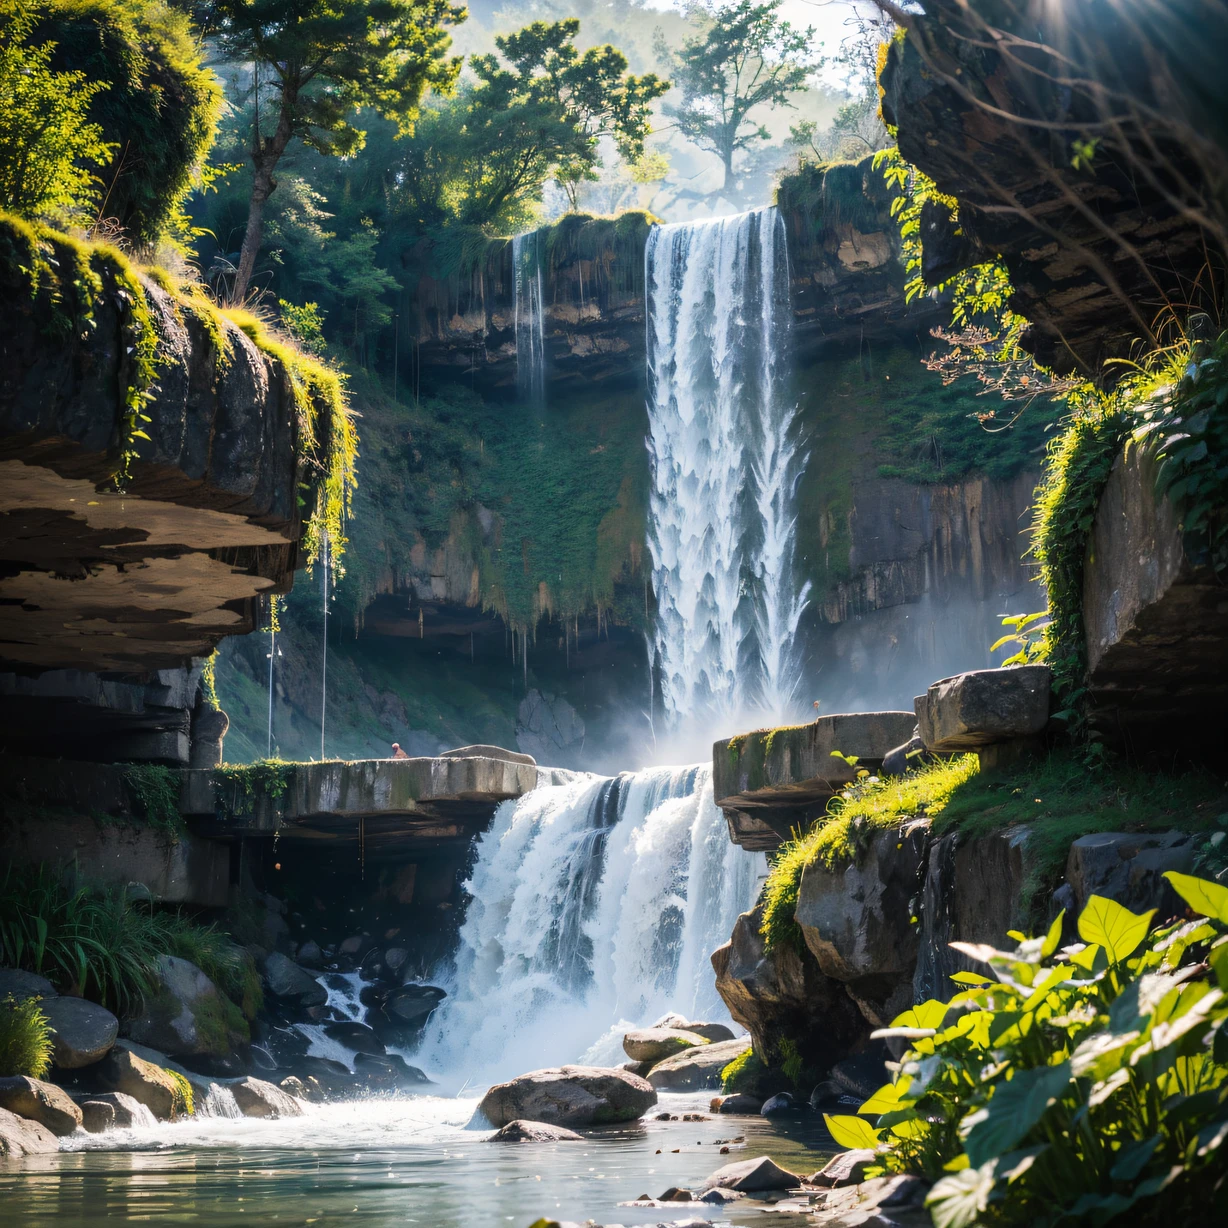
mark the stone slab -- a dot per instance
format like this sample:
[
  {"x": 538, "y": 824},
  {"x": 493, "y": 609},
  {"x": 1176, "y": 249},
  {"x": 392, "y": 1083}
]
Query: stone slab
[{"x": 984, "y": 706}]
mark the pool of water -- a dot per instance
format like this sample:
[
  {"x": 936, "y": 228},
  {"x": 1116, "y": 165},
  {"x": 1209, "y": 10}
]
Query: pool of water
[{"x": 385, "y": 1162}]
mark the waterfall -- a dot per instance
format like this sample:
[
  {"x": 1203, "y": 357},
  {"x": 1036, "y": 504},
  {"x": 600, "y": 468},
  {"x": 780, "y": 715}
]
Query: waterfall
[
  {"x": 725, "y": 463},
  {"x": 528, "y": 313},
  {"x": 596, "y": 903}
]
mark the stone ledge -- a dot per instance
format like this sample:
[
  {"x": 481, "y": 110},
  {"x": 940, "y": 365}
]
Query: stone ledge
[{"x": 982, "y": 707}]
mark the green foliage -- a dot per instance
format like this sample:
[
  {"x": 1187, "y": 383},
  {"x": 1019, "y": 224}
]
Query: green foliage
[
  {"x": 155, "y": 797},
  {"x": 208, "y": 680},
  {"x": 1073, "y": 1085},
  {"x": 50, "y": 151},
  {"x": 869, "y": 805},
  {"x": 241, "y": 788},
  {"x": 745, "y": 56},
  {"x": 182, "y": 1099},
  {"x": 103, "y": 945},
  {"x": 743, "y": 1073},
  {"x": 1028, "y": 631},
  {"x": 25, "y": 1038},
  {"x": 1076, "y": 469},
  {"x": 1186, "y": 431},
  {"x": 155, "y": 102}
]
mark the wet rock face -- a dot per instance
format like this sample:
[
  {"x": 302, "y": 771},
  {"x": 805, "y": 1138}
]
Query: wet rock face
[
  {"x": 857, "y": 922},
  {"x": 82, "y": 1031},
  {"x": 1156, "y": 625},
  {"x": 143, "y": 580},
  {"x": 784, "y": 996},
  {"x": 21, "y": 1137},
  {"x": 44, "y": 1103}
]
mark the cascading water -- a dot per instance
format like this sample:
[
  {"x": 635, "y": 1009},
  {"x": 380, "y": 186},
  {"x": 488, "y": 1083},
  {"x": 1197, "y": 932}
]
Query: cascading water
[
  {"x": 528, "y": 291},
  {"x": 596, "y": 904},
  {"x": 725, "y": 463}
]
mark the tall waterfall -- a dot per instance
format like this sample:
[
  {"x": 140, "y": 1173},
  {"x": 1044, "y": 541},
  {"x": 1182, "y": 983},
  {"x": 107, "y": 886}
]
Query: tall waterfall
[
  {"x": 725, "y": 464},
  {"x": 528, "y": 288},
  {"x": 596, "y": 904}
]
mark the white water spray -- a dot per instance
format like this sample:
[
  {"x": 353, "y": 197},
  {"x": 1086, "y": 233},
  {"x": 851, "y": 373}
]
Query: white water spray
[
  {"x": 725, "y": 463},
  {"x": 528, "y": 313},
  {"x": 596, "y": 904}
]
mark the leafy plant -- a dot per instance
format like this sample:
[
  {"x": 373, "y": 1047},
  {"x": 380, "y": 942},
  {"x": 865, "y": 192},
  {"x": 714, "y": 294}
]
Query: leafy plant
[
  {"x": 1071, "y": 1085},
  {"x": 155, "y": 797},
  {"x": 1028, "y": 631},
  {"x": 25, "y": 1038}
]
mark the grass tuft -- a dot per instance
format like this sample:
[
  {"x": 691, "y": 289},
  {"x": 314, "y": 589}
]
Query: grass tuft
[{"x": 25, "y": 1038}]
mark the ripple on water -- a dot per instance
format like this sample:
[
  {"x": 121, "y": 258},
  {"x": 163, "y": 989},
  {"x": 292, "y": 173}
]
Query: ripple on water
[{"x": 396, "y": 1161}]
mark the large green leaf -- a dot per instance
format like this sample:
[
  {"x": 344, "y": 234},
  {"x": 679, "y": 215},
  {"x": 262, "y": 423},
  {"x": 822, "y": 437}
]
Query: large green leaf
[
  {"x": 956, "y": 1201},
  {"x": 1118, "y": 930},
  {"x": 851, "y": 1131},
  {"x": 1203, "y": 896},
  {"x": 888, "y": 1098},
  {"x": 1016, "y": 1107}
]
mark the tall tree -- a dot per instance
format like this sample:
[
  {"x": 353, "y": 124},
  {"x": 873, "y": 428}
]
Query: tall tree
[
  {"x": 745, "y": 56},
  {"x": 324, "y": 60}
]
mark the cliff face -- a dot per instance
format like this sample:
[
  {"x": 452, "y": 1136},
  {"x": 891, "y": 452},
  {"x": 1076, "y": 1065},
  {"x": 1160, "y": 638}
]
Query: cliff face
[{"x": 146, "y": 579}]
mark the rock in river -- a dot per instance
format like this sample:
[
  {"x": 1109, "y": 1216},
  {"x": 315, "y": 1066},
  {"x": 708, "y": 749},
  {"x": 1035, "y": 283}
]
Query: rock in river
[
  {"x": 569, "y": 1095},
  {"x": 21, "y": 1137},
  {"x": 284, "y": 979},
  {"x": 698, "y": 1068},
  {"x": 656, "y": 1044},
  {"x": 256, "y": 1098},
  {"x": 534, "y": 1132},
  {"x": 752, "y": 1176},
  {"x": 44, "y": 1103}
]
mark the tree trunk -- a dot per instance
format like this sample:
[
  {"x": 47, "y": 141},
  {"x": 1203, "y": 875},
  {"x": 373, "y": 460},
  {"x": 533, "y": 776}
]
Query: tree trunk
[
  {"x": 727, "y": 158},
  {"x": 266, "y": 154}
]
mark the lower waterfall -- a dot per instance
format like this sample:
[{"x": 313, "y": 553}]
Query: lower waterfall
[{"x": 597, "y": 902}]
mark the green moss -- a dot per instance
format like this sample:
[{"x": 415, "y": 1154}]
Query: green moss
[
  {"x": 220, "y": 1025},
  {"x": 853, "y": 818},
  {"x": 239, "y": 788},
  {"x": 743, "y": 1073},
  {"x": 182, "y": 1102},
  {"x": 830, "y": 194},
  {"x": 154, "y": 791}
]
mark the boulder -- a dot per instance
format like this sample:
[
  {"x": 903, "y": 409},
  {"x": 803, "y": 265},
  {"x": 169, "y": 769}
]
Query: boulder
[
  {"x": 489, "y": 752},
  {"x": 857, "y": 920},
  {"x": 310, "y": 955},
  {"x": 390, "y": 1072},
  {"x": 1129, "y": 868},
  {"x": 752, "y": 1176},
  {"x": 187, "y": 1015},
  {"x": 697, "y": 1068},
  {"x": 20, "y": 985},
  {"x": 778, "y": 1105},
  {"x": 413, "y": 1003},
  {"x": 905, "y": 757},
  {"x": 395, "y": 958},
  {"x": 127, "y": 1112},
  {"x": 19, "y": 1136},
  {"x": 571, "y": 1096},
  {"x": 656, "y": 1044},
  {"x": 284, "y": 979},
  {"x": 784, "y": 995},
  {"x": 671, "y": 1020},
  {"x": 741, "y": 1104},
  {"x": 97, "y": 1116},
  {"x": 984, "y": 706},
  {"x": 356, "y": 1036},
  {"x": 123, "y": 1071},
  {"x": 44, "y": 1103},
  {"x": 714, "y": 1032},
  {"x": 294, "y": 1086},
  {"x": 82, "y": 1031},
  {"x": 846, "y": 1168},
  {"x": 256, "y": 1098},
  {"x": 534, "y": 1132},
  {"x": 334, "y": 1080}
]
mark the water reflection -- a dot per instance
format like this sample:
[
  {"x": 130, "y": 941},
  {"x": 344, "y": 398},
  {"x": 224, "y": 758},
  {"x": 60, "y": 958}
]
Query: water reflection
[{"x": 393, "y": 1170}]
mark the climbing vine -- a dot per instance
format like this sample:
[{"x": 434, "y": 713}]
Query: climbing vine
[
  {"x": 239, "y": 788},
  {"x": 154, "y": 791}
]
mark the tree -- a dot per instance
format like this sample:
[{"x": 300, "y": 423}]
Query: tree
[
  {"x": 49, "y": 150},
  {"x": 745, "y": 56},
  {"x": 325, "y": 60},
  {"x": 482, "y": 158}
]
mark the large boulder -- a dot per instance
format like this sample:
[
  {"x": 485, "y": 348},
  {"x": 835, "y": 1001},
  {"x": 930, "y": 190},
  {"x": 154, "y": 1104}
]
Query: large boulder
[
  {"x": 984, "y": 706},
  {"x": 19, "y": 1136},
  {"x": 1128, "y": 867},
  {"x": 186, "y": 1015},
  {"x": 83, "y": 1032},
  {"x": 752, "y": 1177},
  {"x": 534, "y": 1132},
  {"x": 97, "y": 1116},
  {"x": 256, "y": 1098},
  {"x": 697, "y": 1069},
  {"x": 20, "y": 985},
  {"x": 123, "y": 1071},
  {"x": 857, "y": 921},
  {"x": 44, "y": 1103},
  {"x": 284, "y": 979},
  {"x": 655, "y": 1044},
  {"x": 715, "y": 1032},
  {"x": 569, "y": 1096},
  {"x": 784, "y": 995},
  {"x": 412, "y": 1004}
]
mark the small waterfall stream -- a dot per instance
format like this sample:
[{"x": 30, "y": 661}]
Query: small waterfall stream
[
  {"x": 725, "y": 463},
  {"x": 528, "y": 297},
  {"x": 596, "y": 904}
]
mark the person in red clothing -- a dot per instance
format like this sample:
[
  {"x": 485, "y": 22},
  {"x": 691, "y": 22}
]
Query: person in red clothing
[{"x": 397, "y": 752}]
